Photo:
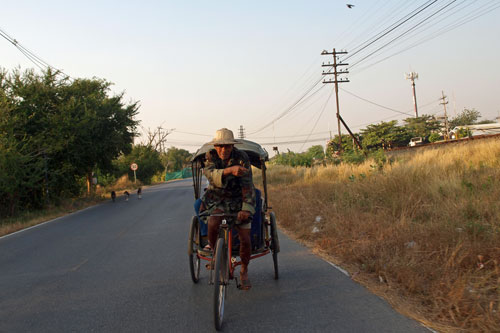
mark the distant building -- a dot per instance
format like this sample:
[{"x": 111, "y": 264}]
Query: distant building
[{"x": 482, "y": 129}]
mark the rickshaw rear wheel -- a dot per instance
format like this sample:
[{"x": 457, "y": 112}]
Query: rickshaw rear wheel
[
  {"x": 194, "y": 260},
  {"x": 275, "y": 244}
]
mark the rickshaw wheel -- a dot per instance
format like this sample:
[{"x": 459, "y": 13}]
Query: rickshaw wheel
[
  {"x": 275, "y": 244},
  {"x": 220, "y": 283},
  {"x": 194, "y": 260}
]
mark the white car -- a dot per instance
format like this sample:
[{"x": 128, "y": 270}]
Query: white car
[{"x": 416, "y": 141}]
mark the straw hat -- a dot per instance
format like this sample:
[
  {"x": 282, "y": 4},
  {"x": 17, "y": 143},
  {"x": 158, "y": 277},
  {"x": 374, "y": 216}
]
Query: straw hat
[{"x": 224, "y": 137}]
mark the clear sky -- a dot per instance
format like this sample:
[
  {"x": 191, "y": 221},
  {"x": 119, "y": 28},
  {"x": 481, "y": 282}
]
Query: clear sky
[{"x": 196, "y": 66}]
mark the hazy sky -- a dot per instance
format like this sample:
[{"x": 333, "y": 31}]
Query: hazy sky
[{"x": 197, "y": 66}]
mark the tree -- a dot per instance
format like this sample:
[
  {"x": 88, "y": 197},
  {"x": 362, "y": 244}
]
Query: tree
[
  {"x": 316, "y": 152},
  {"x": 176, "y": 159},
  {"x": 103, "y": 127},
  {"x": 466, "y": 117},
  {"x": 347, "y": 144},
  {"x": 54, "y": 131},
  {"x": 385, "y": 133},
  {"x": 146, "y": 158},
  {"x": 422, "y": 126}
]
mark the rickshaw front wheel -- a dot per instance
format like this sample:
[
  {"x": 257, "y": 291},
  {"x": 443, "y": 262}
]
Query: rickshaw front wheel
[{"x": 220, "y": 282}]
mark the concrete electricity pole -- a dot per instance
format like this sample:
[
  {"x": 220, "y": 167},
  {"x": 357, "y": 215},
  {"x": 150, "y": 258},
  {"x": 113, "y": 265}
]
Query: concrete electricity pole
[
  {"x": 443, "y": 103},
  {"x": 336, "y": 81},
  {"x": 413, "y": 76}
]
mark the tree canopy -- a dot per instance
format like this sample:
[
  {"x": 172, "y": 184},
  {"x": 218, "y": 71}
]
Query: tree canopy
[
  {"x": 176, "y": 159},
  {"x": 466, "y": 117},
  {"x": 54, "y": 131},
  {"x": 376, "y": 135}
]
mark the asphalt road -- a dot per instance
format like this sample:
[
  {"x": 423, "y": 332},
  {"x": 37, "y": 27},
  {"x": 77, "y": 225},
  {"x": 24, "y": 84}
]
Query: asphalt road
[{"x": 123, "y": 267}]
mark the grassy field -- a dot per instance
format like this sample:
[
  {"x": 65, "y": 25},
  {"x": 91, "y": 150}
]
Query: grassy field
[{"x": 422, "y": 230}]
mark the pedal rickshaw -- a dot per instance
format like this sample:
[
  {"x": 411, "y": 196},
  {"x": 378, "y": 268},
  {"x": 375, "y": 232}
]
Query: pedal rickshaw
[{"x": 264, "y": 235}]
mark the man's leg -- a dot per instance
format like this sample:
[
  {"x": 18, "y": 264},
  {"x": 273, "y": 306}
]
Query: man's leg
[
  {"x": 213, "y": 227},
  {"x": 245, "y": 253}
]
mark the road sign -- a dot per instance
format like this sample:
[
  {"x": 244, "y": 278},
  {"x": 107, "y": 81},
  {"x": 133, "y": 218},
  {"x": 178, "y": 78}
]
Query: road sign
[{"x": 133, "y": 166}]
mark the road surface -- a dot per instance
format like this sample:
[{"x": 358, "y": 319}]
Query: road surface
[{"x": 123, "y": 267}]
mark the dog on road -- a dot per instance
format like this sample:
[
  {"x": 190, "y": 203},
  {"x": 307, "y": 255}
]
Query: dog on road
[
  {"x": 113, "y": 196},
  {"x": 127, "y": 195}
]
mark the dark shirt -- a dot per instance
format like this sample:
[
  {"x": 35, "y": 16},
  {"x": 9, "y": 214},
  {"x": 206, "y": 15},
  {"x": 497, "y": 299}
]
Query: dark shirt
[{"x": 229, "y": 190}]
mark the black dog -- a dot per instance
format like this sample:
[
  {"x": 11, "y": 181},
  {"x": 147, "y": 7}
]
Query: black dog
[
  {"x": 139, "y": 192},
  {"x": 113, "y": 196},
  {"x": 127, "y": 194}
]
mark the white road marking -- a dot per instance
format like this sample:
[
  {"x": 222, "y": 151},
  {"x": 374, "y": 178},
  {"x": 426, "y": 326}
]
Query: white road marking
[{"x": 343, "y": 271}]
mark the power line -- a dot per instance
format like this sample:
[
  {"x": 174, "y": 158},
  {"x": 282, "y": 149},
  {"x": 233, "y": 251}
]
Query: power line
[
  {"x": 294, "y": 141},
  {"x": 293, "y": 106},
  {"x": 378, "y": 20},
  {"x": 39, "y": 62},
  {"x": 288, "y": 136},
  {"x": 397, "y": 25},
  {"x": 379, "y": 105},
  {"x": 402, "y": 34},
  {"x": 190, "y": 133},
  {"x": 319, "y": 117},
  {"x": 457, "y": 23},
  {"x": 468, "y": 17}
]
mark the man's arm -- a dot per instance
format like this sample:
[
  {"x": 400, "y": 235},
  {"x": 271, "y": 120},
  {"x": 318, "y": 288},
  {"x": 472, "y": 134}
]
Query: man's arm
[
  {"x": 248, "y": 190},
  {"x": 215, "y": 175},
  {"x": 210, "y": 170}
]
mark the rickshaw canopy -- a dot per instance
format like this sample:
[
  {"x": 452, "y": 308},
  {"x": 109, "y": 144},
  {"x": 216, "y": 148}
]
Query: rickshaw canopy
[{"x": 255, "y": 152}]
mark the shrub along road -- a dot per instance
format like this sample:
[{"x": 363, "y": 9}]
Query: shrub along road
[{"x": 123, "y": 266}]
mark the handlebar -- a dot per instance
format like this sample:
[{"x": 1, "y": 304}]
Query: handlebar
[{"x": 206, "y": 214}]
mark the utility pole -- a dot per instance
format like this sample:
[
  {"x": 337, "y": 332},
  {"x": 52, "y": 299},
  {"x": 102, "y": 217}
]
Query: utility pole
[
  {"x": 413, "y": 76},
  {"x": 443, "y": 103},
  {"x": 241, "y": 134},
  {"x": 336, "y": 73}
]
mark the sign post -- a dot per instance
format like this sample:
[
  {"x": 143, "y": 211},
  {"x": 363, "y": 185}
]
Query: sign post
[{"x": 134, "y": 167}]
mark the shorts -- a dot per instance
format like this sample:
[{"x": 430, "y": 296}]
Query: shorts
[{"x": 231, "y": 207}]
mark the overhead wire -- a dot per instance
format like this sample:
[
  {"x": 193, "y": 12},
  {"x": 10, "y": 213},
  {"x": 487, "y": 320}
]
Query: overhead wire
[
  {"x": 287, "y": 136},
  {"x": 356, "y": 23},
  {"x": 190, "y": 133},
  {"x": 319, "y": 117},
  {"x": 388, "y": 30},
  {"x": 388, "y": 15},
  {"x": 371, "y": 102},
  {"x": 426, "y": 26},
  {"x": 39, "y": 62},
  {"x": 457, "y": 23},
  {"x": 402, "y": 34},
  {"x": 292, "y": 106}
]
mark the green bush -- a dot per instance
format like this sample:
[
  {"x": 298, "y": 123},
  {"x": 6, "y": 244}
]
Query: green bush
[{"x": 435, "y": 137}]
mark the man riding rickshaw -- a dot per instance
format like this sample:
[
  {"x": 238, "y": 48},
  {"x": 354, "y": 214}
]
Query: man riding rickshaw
[
  {"x": 231, "y": 191},
  {"x": 231, "y": 216}
]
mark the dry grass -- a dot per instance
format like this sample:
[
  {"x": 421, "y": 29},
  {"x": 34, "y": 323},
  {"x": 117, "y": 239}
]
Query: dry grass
[
  {"x": 427, "y": 225},
  {"x": 31, "y": 218}
]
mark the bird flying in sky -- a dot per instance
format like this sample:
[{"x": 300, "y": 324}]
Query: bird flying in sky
[{"x": 349, "y": 5}]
